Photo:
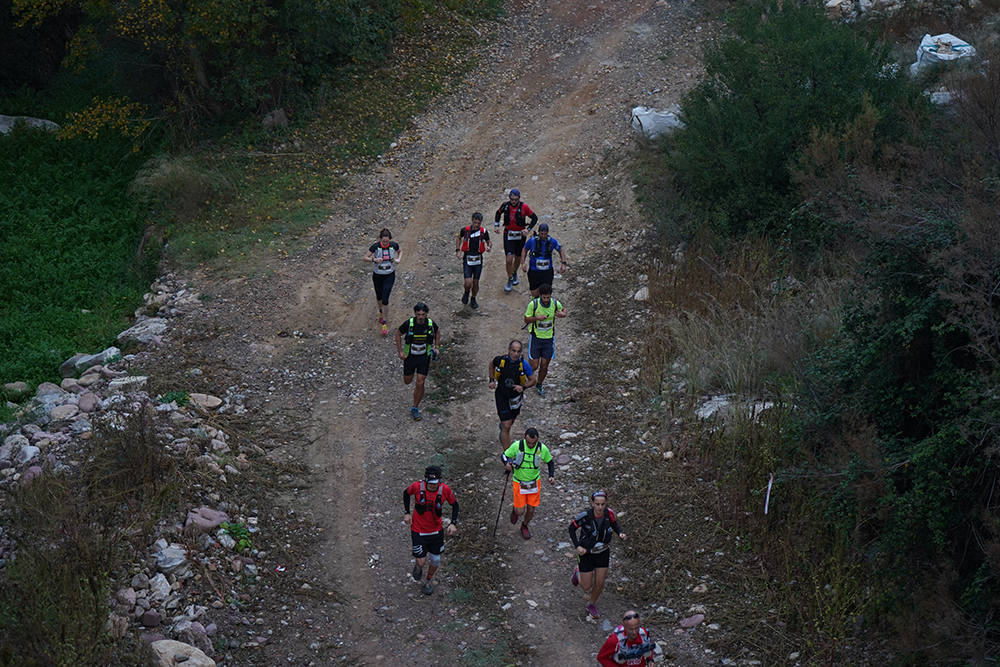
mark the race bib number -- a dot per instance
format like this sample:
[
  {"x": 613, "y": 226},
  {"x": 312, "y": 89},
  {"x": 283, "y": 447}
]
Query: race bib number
[
  {"x": 473, "y": 260},
  {"x": 513, "y": 234},
  {"x": 543, "y": 264},
  {"x": 598, "y": 548},
  {"x": 385, "y": 266},
  {"x": 515, "y": 401},
  {"x": 418, "y": 349},
  {"x": 544, "y": 324},
  {"x": 528, "y": 488}
]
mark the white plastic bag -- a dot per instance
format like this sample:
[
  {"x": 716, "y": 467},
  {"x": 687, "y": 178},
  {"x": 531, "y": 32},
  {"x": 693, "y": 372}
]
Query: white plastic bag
[
  {"x": 653, "y": 122},
  {"x": 940, "y": 49}
]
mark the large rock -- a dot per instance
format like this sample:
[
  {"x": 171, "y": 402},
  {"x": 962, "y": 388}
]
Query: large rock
[
  {"x": 127, "y": 384},
  {"x": 144, "y": 331},
  {"x": 206, "y": 401},
  {"x": 203, "y": 520},
  {"x": 159, "y": 588},
  {"x": 12, "y": 444},
  {"x": 172, "y": 559},
  {"x": 27, "y": 453},
  {"x": 101, "y": 358},
  {"x": 89, "y": 402},
  {"x": 170, "y": 653},
  {"x": 64, "y": 412},
  {"x": 68, "y": 368},
  {"x": 16, "y": 389},
  {"x": 7, "y": 123}
]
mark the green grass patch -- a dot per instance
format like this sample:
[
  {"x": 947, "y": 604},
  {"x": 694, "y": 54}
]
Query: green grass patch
[
  {"x": 252, "y": 193},
  {"x": 70, "y": 271}
]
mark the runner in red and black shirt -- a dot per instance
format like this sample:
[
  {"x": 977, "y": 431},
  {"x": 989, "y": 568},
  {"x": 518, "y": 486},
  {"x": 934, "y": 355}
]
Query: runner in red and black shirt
[
  {"x": 425, "y": 522},
  {"x": 518, "y": 219}
]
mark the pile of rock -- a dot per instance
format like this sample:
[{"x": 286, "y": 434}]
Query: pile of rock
[{"x": 52, "y": 431}]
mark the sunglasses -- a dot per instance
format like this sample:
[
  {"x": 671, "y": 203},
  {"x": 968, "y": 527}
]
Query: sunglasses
[{"x": 629, "y": 617}]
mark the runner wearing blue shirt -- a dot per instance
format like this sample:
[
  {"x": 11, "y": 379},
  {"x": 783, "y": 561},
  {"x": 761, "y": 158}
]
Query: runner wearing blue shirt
[{"x": 536, "y": 259}]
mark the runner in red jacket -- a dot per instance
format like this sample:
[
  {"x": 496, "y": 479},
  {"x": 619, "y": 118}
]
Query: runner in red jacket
[
  {"x": 425, "y": 522},
  {"x": 518, "y": 219},
  {"x": 629, "y": 644}
]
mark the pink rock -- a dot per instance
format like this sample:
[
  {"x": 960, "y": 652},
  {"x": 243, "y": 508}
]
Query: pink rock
[
  {"x": 30, "y": 474},
  {"x": 203, "y": 520},
  {"x": 692, "y": 621},
  {"x": 88, "y": 402}
]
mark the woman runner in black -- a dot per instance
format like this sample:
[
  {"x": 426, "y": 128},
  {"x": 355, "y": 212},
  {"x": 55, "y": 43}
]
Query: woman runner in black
[
  {"x": 384, "y": 255},
  {"x": 596, "y": 525}
]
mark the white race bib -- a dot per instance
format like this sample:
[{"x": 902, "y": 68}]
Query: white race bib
[
  {"x": 515, "y": 401},
  {"x": 418, "y": 349},
  {"x": 473, "y": 260},
  {"x": 543, "y": 264},
  {"x": 544, "y": 324},
  {"x": 528, "y": 488},
  {"x": 513, "y": 234}
]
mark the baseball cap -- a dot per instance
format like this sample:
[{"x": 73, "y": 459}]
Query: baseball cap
[{"x": 544, "y": 227}]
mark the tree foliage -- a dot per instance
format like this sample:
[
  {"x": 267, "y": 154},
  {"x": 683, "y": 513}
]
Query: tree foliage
[
  {"x": 209, "y": 57},
  {"x": 786, "y": 71}
]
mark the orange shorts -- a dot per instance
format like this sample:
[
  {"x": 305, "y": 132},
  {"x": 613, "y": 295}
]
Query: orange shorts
[{"x": 522, "y": 499}]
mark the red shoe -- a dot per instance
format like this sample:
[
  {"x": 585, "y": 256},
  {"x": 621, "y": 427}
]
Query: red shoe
[{"x": 525, "y": 533}]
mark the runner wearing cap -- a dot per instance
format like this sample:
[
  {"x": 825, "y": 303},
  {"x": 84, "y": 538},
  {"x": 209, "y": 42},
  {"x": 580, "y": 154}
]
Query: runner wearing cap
[
  {"x": 595, "y": 526},
  {"x": 540, "y": 316},
  {"x": 472, "y": 242},
  {"x": 522, "y": 458},
  {"x": 514, "y": 213},
  {"x": 425, "y": 522},
  {"x": 418, "y": 332},
  {"x": 536, "y": 259}
]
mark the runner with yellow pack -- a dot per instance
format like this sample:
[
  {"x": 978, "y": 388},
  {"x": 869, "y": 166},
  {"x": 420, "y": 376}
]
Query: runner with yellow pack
[
  {"x": 540, "y": 316},
  {"x": 523, "y": 458}
]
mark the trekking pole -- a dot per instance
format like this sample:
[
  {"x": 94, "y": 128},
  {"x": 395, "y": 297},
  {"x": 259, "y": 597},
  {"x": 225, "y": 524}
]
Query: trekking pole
[{"x": 506, "y": 478}]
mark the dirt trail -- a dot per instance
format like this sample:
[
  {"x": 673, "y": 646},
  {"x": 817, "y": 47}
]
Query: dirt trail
[{"x": 547, "y": 113}]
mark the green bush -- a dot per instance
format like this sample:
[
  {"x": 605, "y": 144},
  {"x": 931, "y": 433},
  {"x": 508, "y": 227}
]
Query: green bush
[
  {"x": 70, "y": 275},
  {"x": 786, "y": 71}
]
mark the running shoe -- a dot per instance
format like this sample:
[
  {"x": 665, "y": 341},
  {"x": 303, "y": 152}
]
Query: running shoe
[
  {"x": 474, "y": 304},
  {"x": 592, "y": 610},
  {"x": 513, "y": 515},
  {"x": 418, "y": 572},
  {"x": 465, "y": 298},
  {"x": 525, "y": 533},
  {"x": 429, "y": 588},
  {"x": 415, "y": 411},
  {"x": 515, "y": 281},
  {"x": 575, "y": 579},
  {"x": 541, "y": 390},
  {"x": 509, "y": 286},
  {"x": 385, "y": 329}
]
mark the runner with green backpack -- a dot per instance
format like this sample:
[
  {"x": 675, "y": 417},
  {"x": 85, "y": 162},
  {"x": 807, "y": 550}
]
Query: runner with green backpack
[
  {"x": 523, "y": 458},
  {"x": 422, "y": 339},
  {"x": 540, "y": 316}
]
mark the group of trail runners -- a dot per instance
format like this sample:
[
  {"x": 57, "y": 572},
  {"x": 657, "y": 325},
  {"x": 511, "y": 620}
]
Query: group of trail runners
[{"x": 510, "y": 375}]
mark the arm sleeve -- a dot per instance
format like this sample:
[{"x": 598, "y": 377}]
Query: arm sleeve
[
  {"x": 496, "y": 218},
  {"x": 552, "y": 468},
  {"x": 454, "y": 511},
  {"x": 572, "y": 533},
  {"x": 406, "y": 500},
  {"x": 534, "y": 219},
  {"x": 606, "y": 655},
  {"x": 373, "y": 247}
]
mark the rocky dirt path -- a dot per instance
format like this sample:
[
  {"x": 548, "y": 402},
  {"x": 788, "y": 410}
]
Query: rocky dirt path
[{"x": 548, "y": 113}]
